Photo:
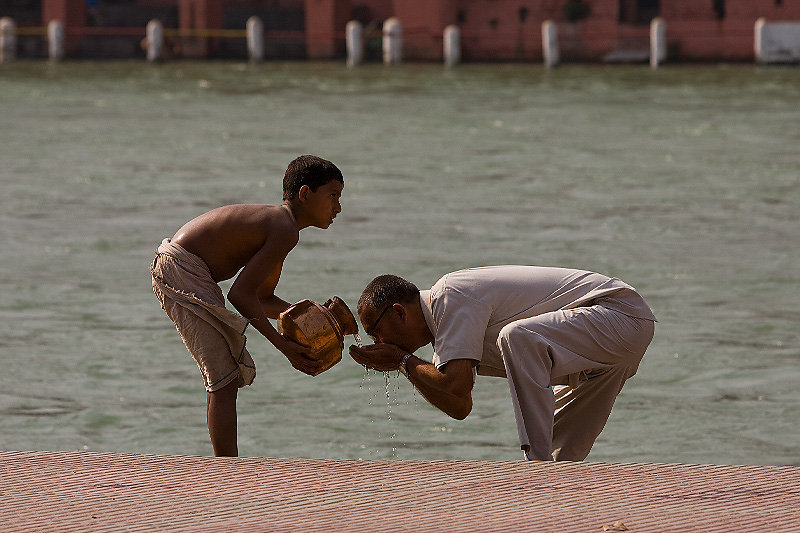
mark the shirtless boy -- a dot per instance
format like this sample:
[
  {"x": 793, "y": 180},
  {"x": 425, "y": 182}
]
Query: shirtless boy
[{"x": 213, "y": 247}]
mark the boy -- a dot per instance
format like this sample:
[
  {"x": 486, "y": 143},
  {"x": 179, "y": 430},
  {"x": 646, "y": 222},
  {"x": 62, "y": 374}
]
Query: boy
[{"x": 213, "y": 247}]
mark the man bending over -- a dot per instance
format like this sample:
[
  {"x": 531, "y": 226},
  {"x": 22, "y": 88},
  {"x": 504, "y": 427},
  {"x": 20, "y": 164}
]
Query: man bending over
[{"x": 540, "y": 327}]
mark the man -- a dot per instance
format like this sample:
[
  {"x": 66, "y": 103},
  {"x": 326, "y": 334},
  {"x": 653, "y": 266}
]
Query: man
[{"x": 537, "y": 326}]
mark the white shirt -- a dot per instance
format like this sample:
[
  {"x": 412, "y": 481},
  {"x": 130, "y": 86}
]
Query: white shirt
[{"x": 465, "y": 310}]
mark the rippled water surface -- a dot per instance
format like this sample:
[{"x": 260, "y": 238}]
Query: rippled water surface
[{"x": 682, "y": 181}]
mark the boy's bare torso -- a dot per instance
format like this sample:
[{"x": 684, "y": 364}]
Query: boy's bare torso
[{"x": 226, "y": 238}]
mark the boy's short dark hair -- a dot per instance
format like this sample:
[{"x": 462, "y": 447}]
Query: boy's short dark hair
[
  {"x": 308, "y": 170},
  {"x": 386, "y": 290}
]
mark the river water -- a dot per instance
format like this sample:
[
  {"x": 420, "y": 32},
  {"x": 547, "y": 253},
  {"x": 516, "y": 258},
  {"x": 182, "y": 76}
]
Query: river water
[{"x": 682, "y": 181}]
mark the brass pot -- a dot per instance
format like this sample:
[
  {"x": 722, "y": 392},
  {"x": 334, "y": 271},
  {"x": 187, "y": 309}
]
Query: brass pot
[{"x": 319, "y": 327}]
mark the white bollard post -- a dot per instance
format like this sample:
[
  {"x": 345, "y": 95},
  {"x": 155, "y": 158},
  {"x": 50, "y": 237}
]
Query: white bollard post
[
  {"x": 550, "y": 51},
  {"x": 55, "y": 40},
  {"x": 758, "y": 44},
  {"x": 155, "y": 40},
  {"x": 392, "y": 41},
  {"x": 354, "y": 35},
  {"x": 255, "y": 39},
  {"x": 658, "y": 42},
  {"x": 8, "y": 40},
  {"x": 452, "y": 45}
]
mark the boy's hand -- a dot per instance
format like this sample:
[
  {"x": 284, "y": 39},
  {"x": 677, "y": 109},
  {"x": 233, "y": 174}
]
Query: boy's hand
[
  {"x": 381, "y": 357},
  {"x": 297, "y": 354}
]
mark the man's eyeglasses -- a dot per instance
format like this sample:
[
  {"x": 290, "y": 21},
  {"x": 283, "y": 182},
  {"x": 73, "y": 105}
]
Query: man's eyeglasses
[{"x": 371, "y": 331}]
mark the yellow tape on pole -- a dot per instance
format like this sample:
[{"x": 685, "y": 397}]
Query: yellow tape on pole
[
  {"x": 32, "y": 31},
  {"x": 171, "y": 32},
  {"x": 195, "y": 32}
]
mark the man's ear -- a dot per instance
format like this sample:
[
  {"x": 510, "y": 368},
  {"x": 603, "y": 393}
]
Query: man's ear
[
  {"x": 401, "y": 311},
  {"x": 302, "y": 194}
]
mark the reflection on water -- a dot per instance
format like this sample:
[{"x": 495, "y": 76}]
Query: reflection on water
[
  {"x": 682, "y": 181},
  {"x": 42, "y": 407}
]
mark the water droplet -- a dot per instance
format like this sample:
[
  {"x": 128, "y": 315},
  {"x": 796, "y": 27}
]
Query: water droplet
[{"x": 389, "y": 411}]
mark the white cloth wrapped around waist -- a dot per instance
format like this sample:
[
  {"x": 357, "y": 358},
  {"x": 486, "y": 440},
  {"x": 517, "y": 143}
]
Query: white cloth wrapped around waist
[{"x": 186, "y": 280}]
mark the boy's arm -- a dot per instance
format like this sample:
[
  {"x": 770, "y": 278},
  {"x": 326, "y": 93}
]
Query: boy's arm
[
  {"x": 252, "y": 294},
  {"x": 273, "y": 306}
]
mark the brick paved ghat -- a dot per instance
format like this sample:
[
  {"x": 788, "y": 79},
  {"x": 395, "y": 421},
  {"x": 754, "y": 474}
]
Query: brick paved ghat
[{"x": 48, "y": 491}]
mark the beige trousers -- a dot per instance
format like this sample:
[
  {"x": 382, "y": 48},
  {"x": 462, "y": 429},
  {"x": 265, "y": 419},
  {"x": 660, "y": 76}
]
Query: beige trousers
[{"x": 589, "y": 352}]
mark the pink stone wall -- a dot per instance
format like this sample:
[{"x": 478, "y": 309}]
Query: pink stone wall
[{"x": 504, "y": 30}]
